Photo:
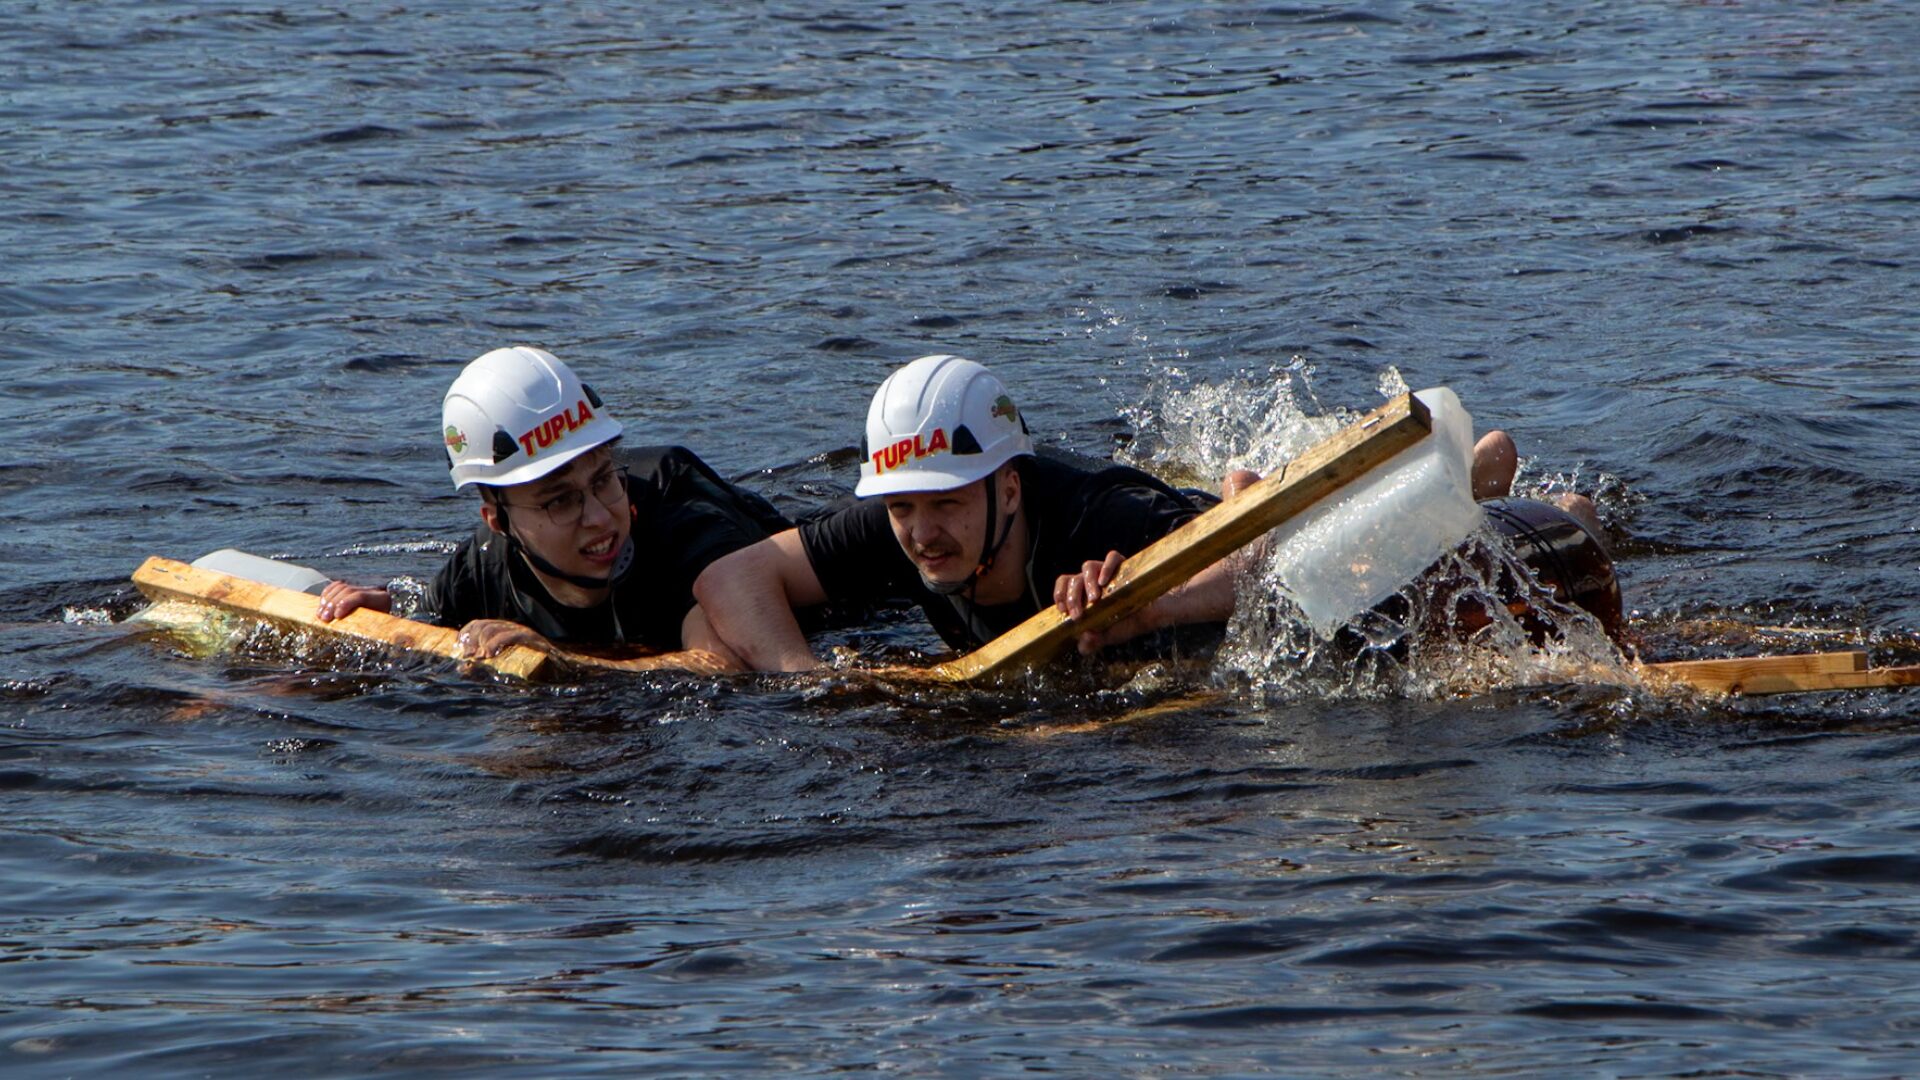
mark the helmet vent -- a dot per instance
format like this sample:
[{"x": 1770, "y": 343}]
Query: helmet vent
[
  {"x": 593, "y": 399},
  {"x": 503, "y": 445},
  {"x": 964, "y": 442}
]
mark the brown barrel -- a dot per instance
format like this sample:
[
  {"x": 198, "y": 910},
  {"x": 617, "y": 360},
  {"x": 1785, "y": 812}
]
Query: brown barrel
[{"x": 1564, "y": 554}]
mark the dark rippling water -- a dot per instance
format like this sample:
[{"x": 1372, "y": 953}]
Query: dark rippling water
[{"x": 1669, "y": 245}]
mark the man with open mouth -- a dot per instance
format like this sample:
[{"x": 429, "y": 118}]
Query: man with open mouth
[{"x": 576, "y": 544}]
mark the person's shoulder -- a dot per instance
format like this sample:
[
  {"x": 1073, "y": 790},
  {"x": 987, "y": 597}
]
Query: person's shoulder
[
  {"x": 484, "y": 548},
  {"x": 853, "y": 553},
  {"x": 1107, "y": 508},
  {"x": 852, "y": 531},
  {"x": 474, "y": 581},
  {"x": 1079, "y": 482},
  {"x": 847, "y": 518},
  {"x": 658, "y": 465}
]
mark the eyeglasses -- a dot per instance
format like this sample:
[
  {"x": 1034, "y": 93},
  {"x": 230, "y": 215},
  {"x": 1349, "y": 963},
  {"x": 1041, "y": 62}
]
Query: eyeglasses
[{"x": 609, "y": 486}]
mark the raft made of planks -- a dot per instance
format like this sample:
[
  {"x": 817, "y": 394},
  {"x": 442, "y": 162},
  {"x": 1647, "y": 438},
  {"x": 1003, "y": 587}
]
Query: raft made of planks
[{"x": 165, "y": 579}]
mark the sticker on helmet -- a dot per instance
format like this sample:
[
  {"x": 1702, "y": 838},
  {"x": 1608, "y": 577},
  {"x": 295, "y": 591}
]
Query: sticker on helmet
[
  {"x": 892, "y": 457},
  {"x": 456, "y": 441},
  {"x": 1003, "y": 407},
  {"x": 555, "y": 428}
]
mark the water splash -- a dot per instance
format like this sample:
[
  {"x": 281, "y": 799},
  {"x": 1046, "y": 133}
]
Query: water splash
[
  {"x": 400, "y": 547},
  {"x": 1474, "y": 622},
  {"x": 1613, "y": 500},
  {"x": 1197, "y": 433},
  {"x": 203, "y": 632}
]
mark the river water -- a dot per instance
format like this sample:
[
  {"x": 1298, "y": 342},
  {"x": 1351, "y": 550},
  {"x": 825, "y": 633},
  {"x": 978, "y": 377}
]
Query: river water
[{"x": 1669, "y": 245}]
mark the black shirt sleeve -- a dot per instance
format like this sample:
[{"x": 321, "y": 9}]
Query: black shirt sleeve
[
  {"x": 1116, "y": 509},
  {"x": 855, "y": 555},
  {"x": 461, "y": 591}
]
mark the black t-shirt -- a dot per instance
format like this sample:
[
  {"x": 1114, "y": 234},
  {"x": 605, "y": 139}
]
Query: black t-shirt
[
  {"x": 1074, "y": 514},
  {"x": 685, "y": 517}
]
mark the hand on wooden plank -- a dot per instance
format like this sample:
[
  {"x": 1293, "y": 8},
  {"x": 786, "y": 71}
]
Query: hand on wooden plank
[
  {"x": 340, "y": 599},
  {"x": 1179, "y": 556},
  {"x": 484, "y": 639}
]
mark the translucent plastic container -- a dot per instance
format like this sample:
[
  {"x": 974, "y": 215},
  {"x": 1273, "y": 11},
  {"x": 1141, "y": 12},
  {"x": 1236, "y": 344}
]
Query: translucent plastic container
[
  {"x": 1359, "y": 545},
  {"x": 267, "y": 571}
]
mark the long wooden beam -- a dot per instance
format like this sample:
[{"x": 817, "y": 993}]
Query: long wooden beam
[
  {"x": 1173, "y": 559},
  {"x": 166, "y": 579},
  {"x": 1797, "y": 673}
]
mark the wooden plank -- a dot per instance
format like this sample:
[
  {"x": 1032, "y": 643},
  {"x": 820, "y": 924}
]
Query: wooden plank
[
  {"x": 1797, "y": 673},
  {"x": 1176, "y": 557},
  {"x": 1870, "y": 679},
  {"x": 1721, "y": 675},
  {"x": 162, "y": 578},
  {"x": 690, "y": 661}
]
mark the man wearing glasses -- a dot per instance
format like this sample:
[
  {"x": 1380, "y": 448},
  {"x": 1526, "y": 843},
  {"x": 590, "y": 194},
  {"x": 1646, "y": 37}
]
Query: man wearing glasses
[{"x": 573, "y": 546}]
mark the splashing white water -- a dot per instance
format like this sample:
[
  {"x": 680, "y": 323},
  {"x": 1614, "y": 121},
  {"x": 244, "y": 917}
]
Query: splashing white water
[
  {"x": 1199, "y": 433},
  {"x": 1448, "y": 632}
]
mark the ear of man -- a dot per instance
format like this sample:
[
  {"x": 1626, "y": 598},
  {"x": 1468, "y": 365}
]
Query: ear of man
[
  {"x": 490, "y": 512},
  {"x": 1008, "y": 484}
]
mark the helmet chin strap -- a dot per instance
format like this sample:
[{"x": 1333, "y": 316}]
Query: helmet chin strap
[{"x": 955, "y": 588}]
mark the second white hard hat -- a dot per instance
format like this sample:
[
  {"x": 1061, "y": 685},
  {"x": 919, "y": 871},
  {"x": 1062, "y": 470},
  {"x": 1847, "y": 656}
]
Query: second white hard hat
[{"x": 939, "y": 423}]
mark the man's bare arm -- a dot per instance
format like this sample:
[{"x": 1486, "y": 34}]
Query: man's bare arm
[{"x": 750, "y": 596}]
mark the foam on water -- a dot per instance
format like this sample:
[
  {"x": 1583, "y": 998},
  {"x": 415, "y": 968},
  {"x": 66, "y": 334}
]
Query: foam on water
[{"x": 203, "y": 632}]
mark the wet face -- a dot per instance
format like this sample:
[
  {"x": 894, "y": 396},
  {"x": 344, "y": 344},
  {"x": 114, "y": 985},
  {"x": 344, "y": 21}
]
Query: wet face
[
  {"x": 575, "y": 518},
  {"x": 945, "y": 532}
]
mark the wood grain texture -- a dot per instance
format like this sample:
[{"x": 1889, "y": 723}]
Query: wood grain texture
[
  {"x": 1215, "y": 534},
  {"x": 1796, "y": 673},
  {"x": 166, "y": 579}
]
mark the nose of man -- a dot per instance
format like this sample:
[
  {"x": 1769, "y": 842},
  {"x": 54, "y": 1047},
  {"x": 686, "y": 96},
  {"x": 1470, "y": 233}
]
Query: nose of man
[
  {"x": 925, "y": 532},
  {"x": 594, "y": 513}
]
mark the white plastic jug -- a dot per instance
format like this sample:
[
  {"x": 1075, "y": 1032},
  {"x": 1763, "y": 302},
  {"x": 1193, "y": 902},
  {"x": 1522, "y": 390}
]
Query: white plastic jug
[
  {"x": 267, "y": 571},
  {"x": 1359, "y": 545}
]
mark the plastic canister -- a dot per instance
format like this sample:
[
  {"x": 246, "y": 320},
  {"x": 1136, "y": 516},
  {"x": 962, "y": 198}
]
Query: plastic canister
[
  {"x": 1359, "y": 545},
  {"x": 267, "y": 571}
]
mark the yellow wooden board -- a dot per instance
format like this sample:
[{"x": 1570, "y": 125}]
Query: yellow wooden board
[
  {"x": 1796, "y": 673},
  {"x": 165, "y": 579}
]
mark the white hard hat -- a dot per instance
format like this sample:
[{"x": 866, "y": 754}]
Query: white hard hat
[
  {"x": 517, "y": 414},
  {"x": 939, "y": 423}
]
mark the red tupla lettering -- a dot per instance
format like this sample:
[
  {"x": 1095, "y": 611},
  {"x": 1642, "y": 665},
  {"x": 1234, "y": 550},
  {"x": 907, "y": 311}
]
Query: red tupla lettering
[
  {"x": 888, "y": 458},
  {"x": 554, "y": 428}
]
